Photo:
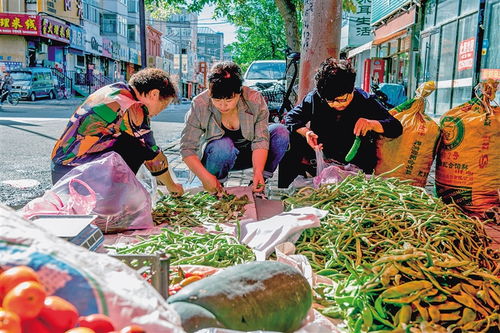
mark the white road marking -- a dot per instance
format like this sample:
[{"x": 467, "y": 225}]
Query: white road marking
[{"x": 22, "y": 183}]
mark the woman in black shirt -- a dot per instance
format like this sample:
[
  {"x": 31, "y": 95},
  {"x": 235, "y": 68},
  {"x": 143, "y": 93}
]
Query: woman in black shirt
[{"x": 337, "y": 113}]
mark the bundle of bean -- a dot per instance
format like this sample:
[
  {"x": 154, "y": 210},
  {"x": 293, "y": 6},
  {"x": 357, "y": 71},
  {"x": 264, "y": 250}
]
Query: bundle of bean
[
  {"x": 196, "y": 209},
  {"x": 412, "y": 286},
  {"x": 370, "y": 216},
  {"x": 187, "y": 247}
]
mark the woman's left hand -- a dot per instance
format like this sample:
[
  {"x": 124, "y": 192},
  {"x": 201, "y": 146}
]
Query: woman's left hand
[
  {"x": 258, "y": 183},
  {"x": 364, "y": 125}
]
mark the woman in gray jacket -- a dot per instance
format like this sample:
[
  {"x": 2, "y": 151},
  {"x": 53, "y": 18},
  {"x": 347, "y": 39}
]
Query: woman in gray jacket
[{"x": 232, "y": 122}]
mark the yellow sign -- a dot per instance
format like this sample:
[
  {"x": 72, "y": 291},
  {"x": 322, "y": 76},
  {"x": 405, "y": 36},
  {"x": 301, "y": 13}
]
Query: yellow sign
[{"x": 68, "y": 10}]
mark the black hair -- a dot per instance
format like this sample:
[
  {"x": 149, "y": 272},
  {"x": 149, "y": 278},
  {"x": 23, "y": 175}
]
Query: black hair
[
  {"x": 335, "y": 78},
  {"x": 225, "y": 80},
  {"x": 148, "y": 79}
]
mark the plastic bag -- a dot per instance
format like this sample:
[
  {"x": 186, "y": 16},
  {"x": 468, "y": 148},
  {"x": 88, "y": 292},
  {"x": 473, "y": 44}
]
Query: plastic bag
[
  {"x": 122, "y": 202},
  {"x": 149, "y": 182},
  {"x": 71, "y": 203},
  {"x": 469, "y": 153},
  {"x": 93, "y": 283},
  {"x": 335, "y": 173},
  {"x": 416, "y": 147}
]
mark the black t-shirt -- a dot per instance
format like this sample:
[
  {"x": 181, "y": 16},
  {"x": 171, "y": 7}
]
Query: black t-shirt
[
  {"x": 335, "y": 128},
  {"x": 236, "y": 136}
]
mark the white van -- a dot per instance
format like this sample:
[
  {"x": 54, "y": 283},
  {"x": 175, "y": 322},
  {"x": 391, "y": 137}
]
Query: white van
[{"x": 265, "y": 71}]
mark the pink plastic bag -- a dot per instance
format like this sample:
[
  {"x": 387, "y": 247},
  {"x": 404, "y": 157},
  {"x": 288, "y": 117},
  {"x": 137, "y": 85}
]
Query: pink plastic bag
[
  {"x": 72, "y": 203},
  {"x": 121, "y": 202}
]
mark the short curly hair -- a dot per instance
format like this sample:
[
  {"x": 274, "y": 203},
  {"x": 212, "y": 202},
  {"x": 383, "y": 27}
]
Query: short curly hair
[
  {"x": 335, "y": 78},
  {"x": 148, "y": 79},
  {"x": 225, "y": 80}
]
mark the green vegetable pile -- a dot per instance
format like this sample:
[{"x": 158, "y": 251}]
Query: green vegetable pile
[
  {"x": 187, "y": 247},
  {"x": 401, "y": 258},
  {"x": 370, "y": 216},
  {"x": 191, "y": 210}
]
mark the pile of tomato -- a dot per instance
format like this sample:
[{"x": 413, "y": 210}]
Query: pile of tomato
[{"x": 26, "y": 308}]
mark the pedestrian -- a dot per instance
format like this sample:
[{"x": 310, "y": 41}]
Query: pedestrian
[
  {"x": 329, "y": 118},
  {"x": 6, "y": 86},
  {"x": 227, "y": 126},
  {"x": 117, "y": 118}
]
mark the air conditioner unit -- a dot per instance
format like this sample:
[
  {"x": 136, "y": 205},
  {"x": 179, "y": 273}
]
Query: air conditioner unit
[{"x": 44, "y": 48}]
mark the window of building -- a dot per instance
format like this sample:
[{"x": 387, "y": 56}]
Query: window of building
[
  {"x": 429, "y": 14},
  {"x": 446, "y": 9},
  {"x": 447, "y": 63},
  {"x": 131, "y": 32},
  {"x": 464, "y": 70},
  {"x": 122, "y": 26},
  {"x": 132, "y": 6},
  {"x": 109, "y": 23},
  {"x": 80, "y": 61},
  {"x": 491, "y": 58},
  {"x": 468, "y": 6}
]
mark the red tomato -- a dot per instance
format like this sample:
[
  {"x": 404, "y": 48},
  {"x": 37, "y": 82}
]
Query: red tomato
[
  {"x": 132, "y": 329},
  {"x": 14, "y": 276},
  {"x": 9, "y": 322},
  {"x": 35, "y": 325},
  {"x": 98, "y": 322},
  {"x": 25, "y": 299},
  {"x": 81, "y": 330},
  {"x": 58, "y": 313}
]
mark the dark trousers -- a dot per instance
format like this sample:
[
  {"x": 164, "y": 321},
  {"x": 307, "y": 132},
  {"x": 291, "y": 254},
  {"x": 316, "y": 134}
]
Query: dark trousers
[
  {"x": 291, "y": 165},
  {"x": 130, "y": 149}
]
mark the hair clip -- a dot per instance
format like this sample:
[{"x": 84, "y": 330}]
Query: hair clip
[
  {"x": 166, "y": 82},
  {"x": 227, "y": 76}
]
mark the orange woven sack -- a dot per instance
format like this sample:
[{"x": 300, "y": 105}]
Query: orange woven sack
[
  {"x": 415, "y": 148},
  {"x": 468, "y": 158}
]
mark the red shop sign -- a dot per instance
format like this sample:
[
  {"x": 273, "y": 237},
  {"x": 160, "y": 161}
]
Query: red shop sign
[
  {"x": 55, "y": 30},
  {"x": 19, "y": 24},
  {"x": 466, "y": 54}
]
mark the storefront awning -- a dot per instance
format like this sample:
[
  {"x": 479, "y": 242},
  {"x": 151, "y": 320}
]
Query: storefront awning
[
  {"x": 75, "y": 51},
  {"x": 359, "y": 49},
  {"x": 389, "y": 37}
]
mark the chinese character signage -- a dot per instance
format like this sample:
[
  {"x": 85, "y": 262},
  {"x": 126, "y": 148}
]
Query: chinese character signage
[
  {"x": 19, "y": 24},
  {"x": 70, "y": 10},
  {"x": 466, "y": 54},
  {"x": 359, "y": 24},
  {"x": 55, "y": 30},
  {"x": 77, "y": 39}
]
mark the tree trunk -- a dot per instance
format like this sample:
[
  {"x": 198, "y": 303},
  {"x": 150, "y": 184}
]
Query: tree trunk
[
  {"x": 322, "y": 23},
  {"x": 289, "y": 13}
]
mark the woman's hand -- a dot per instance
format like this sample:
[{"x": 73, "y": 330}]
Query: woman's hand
[
  {"x": 312, "y": 140},
  {"x": 176, "y": 190},
  {"x": 258, "y": 183},
  {"x": 211, "y": 184},
  {"x": 364, "y": 125}
]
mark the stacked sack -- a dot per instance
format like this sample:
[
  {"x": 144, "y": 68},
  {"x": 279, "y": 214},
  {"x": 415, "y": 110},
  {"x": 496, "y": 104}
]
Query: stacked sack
[
  {"x": 415, "y": 148},
  {"x": 468, "y": 157}
]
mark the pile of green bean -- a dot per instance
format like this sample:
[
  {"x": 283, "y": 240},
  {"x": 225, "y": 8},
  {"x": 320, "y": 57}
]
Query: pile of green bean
[
  {"x": 370, "y": 216},
  {"x": 419, "y": 289},
  {"x": 191, "y": 210},
  {"x": 187, "y": 247}
]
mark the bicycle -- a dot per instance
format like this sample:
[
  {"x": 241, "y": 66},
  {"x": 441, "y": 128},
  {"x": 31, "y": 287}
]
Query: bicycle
[
  {"x": 12, "y": 97},
  {"x": 293, "y": 58}
]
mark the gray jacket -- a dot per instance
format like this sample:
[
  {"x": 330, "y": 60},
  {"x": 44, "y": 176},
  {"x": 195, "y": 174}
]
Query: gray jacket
[{"x": 203, "y": 122}]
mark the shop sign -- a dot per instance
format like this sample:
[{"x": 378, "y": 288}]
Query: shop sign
[
  {"x": 95, "y": 46},
  {"x": 70, "y": 10},
  {"x": 19, "y": 24},
  {"x": 359, "y": 24},
  {"x": 107, "y": 47},
  {"x": 10, "y": 65},
  {"x": 134, "y": 56},
  {"x": 466, "y": 54},
  {"x": 490, "y": 73},
  {"x": 77, "y": 40},
  {"x": 115, "y": 50},
  {"x": 55, "y": 30}
]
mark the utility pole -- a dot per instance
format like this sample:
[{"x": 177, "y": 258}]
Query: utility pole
[
  {"x": 142, "y": 33},
  {"x": 322, "y": 23}
]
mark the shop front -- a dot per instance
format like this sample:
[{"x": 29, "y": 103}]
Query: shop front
[
  {"x": 392, "y": 46},
  {"x": 490, "y": 62},
  {"x": 55, "y": 38},
  {"x": 16, "y": 31},
  {"x": 447, "y": 51},
  {"x": 75, "y": 58}
]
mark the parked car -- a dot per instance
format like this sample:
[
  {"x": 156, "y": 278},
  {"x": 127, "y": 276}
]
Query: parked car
[
  {"x": 185, "y": 100},
  {"x": 265, "y": 71},
  {"x": 34, "y": 82}
]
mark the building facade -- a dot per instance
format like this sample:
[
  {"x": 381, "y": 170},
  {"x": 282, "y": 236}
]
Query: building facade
[{"x": 210, "y": 46}]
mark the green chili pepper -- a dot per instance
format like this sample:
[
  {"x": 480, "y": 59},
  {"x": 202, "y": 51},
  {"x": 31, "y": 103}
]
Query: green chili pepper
[{"x": 354, "y": 149}]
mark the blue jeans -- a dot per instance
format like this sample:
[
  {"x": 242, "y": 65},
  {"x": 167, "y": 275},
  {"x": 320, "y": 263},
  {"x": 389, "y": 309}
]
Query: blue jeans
[{"x": 221, "y": 156}]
